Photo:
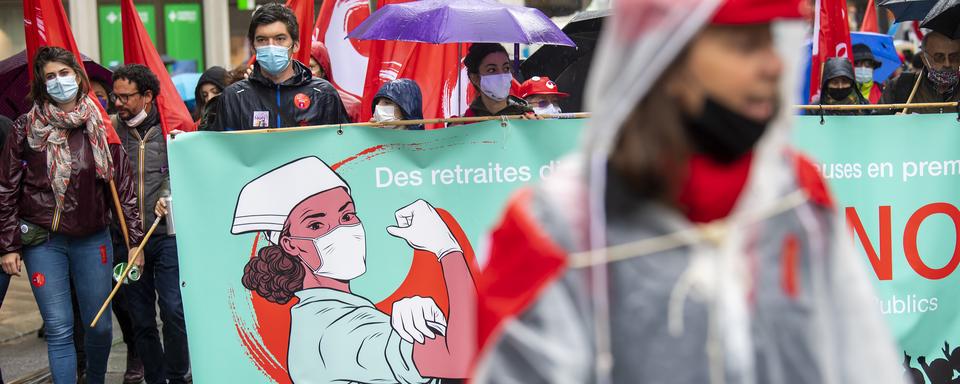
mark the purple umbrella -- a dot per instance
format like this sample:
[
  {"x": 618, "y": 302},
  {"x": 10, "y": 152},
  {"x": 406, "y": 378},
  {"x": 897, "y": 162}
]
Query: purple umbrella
[
  {"x": 460, "y": 21},
  {"x": 15, "y": 76}
]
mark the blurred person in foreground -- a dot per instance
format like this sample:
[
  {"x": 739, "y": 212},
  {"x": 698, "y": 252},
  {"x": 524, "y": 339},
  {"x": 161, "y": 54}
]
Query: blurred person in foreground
[{"x": 755, "y": 280}]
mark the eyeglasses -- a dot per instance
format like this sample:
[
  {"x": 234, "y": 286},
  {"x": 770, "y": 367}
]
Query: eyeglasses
[{"x": 122, "y": 97}]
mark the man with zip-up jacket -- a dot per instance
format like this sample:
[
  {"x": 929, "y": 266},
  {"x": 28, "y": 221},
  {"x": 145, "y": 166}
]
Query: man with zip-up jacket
[
  {"x": 135, "y": 89},
  {"x": 280, "y": 91}
]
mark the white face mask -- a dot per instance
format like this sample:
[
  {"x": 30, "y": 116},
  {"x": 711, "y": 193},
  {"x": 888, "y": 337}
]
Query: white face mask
[
  {"x": 382, "y": 113},
  {"x": 863, "y": 74},
  {"x": 496, "y": 87},
  {"x": 342, "y": 251},
  {"x": 550, "y": 109},
  {"x": 138, "y": 119}
]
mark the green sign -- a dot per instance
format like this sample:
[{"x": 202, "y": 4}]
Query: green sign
[
  {"x": 111, "y": 33},
  {"x": 465, "y": 173},
  {"x": 246, "y": 5},
  {"x": 184, "y": 32},
  {"x": 896, "y": 180}
]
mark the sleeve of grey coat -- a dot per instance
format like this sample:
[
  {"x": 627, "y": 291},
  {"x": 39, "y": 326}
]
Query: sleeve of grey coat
[
  {"x": 864, "y": 351},
  {"x": 548, "y": 343}
]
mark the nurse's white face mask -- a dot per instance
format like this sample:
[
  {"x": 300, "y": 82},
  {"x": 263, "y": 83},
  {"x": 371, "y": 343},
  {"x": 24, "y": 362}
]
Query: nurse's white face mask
[{"x": 342, "y": 252}]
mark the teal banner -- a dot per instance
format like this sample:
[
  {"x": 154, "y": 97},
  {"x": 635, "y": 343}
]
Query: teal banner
[
  {"x": 302, "y": 251},
  {"x": 896, "y": 179}
]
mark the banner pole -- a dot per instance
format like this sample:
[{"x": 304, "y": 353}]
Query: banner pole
[
  {"x": 914, "y": 92},
  {"x": 126, "y": 271}
]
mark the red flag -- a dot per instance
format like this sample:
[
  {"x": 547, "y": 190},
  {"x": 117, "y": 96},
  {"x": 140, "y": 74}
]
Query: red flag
[
  {"x": 870, "y": 19},
  {"x": 434, "y": 67},
  {"x": 138, "y": 49},
  {"x": 523, "y": 260},
  {"x": 304, "y": 11},
  {"x": 45, "y": 24},
  {"x": 348, "y": 58},
  {"x": 831, "y": 38}
]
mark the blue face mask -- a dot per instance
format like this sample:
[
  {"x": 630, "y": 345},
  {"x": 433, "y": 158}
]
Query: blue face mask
[
  {"x": 62, "y": 89},
  {"x": 273, "y": 58}
]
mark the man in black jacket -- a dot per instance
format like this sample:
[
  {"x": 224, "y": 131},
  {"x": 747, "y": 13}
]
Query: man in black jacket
[{"x": 280, "y": 92}]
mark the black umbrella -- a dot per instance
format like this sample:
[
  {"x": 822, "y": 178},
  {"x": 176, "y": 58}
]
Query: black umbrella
[
  {"x": 15, "y": 76},
  {"x": 907, "y": 10},
  {"x": 568, "y": 66},
  {"x": 944, "y": 18}
]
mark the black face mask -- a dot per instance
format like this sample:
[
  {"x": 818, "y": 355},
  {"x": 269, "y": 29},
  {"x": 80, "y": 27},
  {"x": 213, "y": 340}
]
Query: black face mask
[
  {"x": 839, "y": 93},
  {"x": 722, "y": 134}
]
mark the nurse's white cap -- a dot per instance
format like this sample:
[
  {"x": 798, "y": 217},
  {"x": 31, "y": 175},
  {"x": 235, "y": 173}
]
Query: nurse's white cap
[{"x": 266, "y": 201}]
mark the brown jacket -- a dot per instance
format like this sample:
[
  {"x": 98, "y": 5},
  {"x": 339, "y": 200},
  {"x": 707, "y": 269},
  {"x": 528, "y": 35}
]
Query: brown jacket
[
  {"x": 25, "y": 192},
  {"x": 898, "y": 91}
]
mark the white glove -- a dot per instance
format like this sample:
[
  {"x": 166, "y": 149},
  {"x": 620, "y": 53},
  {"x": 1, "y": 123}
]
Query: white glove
[
  {"x": 421, "y": 226},
  {"x": 413, "y": 318}
]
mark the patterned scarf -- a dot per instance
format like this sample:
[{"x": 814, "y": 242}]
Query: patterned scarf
[{"x": 48, "y": 129}]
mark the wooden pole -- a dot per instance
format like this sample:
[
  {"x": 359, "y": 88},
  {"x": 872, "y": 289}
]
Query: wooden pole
[
  {"x": 875, "y": 106},
  {"x": 914, "y": 91},
  {"x": 453, "y": 120},
  {"x": 116, "y": 207},
  {"x": 126, "y": 271}
]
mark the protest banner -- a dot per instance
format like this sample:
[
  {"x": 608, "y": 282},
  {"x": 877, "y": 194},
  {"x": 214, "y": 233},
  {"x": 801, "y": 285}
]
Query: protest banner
[
  {"x": 896, "y": 180},
  {"x": 233, "y": 193}
]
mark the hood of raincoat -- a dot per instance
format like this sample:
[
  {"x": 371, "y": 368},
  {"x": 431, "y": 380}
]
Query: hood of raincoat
[
  {"x": 318, "y": 52},
  {"x": 837, "y": 67},
  {"x": 405, "y": 93},
  {"x": 213, "y": 75}
]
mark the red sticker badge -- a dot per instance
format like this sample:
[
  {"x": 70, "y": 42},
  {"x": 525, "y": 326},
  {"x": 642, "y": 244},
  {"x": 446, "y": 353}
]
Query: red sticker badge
[
  {"x": 301, "y": 101},
  {"x": 103, "y": 254},
  {"x": 38, "y": 279}
]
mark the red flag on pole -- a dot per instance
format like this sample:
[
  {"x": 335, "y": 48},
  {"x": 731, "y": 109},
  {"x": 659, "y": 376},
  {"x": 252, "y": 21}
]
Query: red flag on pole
[
  {"x": 831, "y": 38},
  {"x": 348, "y": 58},
  {"x": 138, "y": 49},
  {"x": 45, "y": 24},
  {"x": 304, "y": 11},
  {"x": 870, "y": 19},
  {"x": 434, "y": 67}
]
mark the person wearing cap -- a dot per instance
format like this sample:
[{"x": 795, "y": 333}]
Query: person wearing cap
[
  {"x": 321, "y": 68},
  {"x": 864, "y": 64},
  {"x": 317, "y": 246},
  {"x": 839, "y": 87},
  {"x": 542, "y": 95},
  {"x": 685, "y": 241},
  {"x": 398, "y": 100},
  {"x": 940, "y": 56}
]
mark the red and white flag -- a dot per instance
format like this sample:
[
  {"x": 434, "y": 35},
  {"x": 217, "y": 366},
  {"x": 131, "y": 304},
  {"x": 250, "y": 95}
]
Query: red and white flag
[
  {"x": 361, "y": 67},
  {"x": 831, "y": 30}
]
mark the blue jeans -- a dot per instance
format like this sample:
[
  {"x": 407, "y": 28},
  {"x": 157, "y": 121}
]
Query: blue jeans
[
  {"x": 50, "y": 267},
  {"x": 160, "y": 279}
]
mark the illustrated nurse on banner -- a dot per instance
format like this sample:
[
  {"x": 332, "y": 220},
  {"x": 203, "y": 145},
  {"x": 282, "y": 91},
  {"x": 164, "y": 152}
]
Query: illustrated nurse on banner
[{"x": 317, "y": 246}]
